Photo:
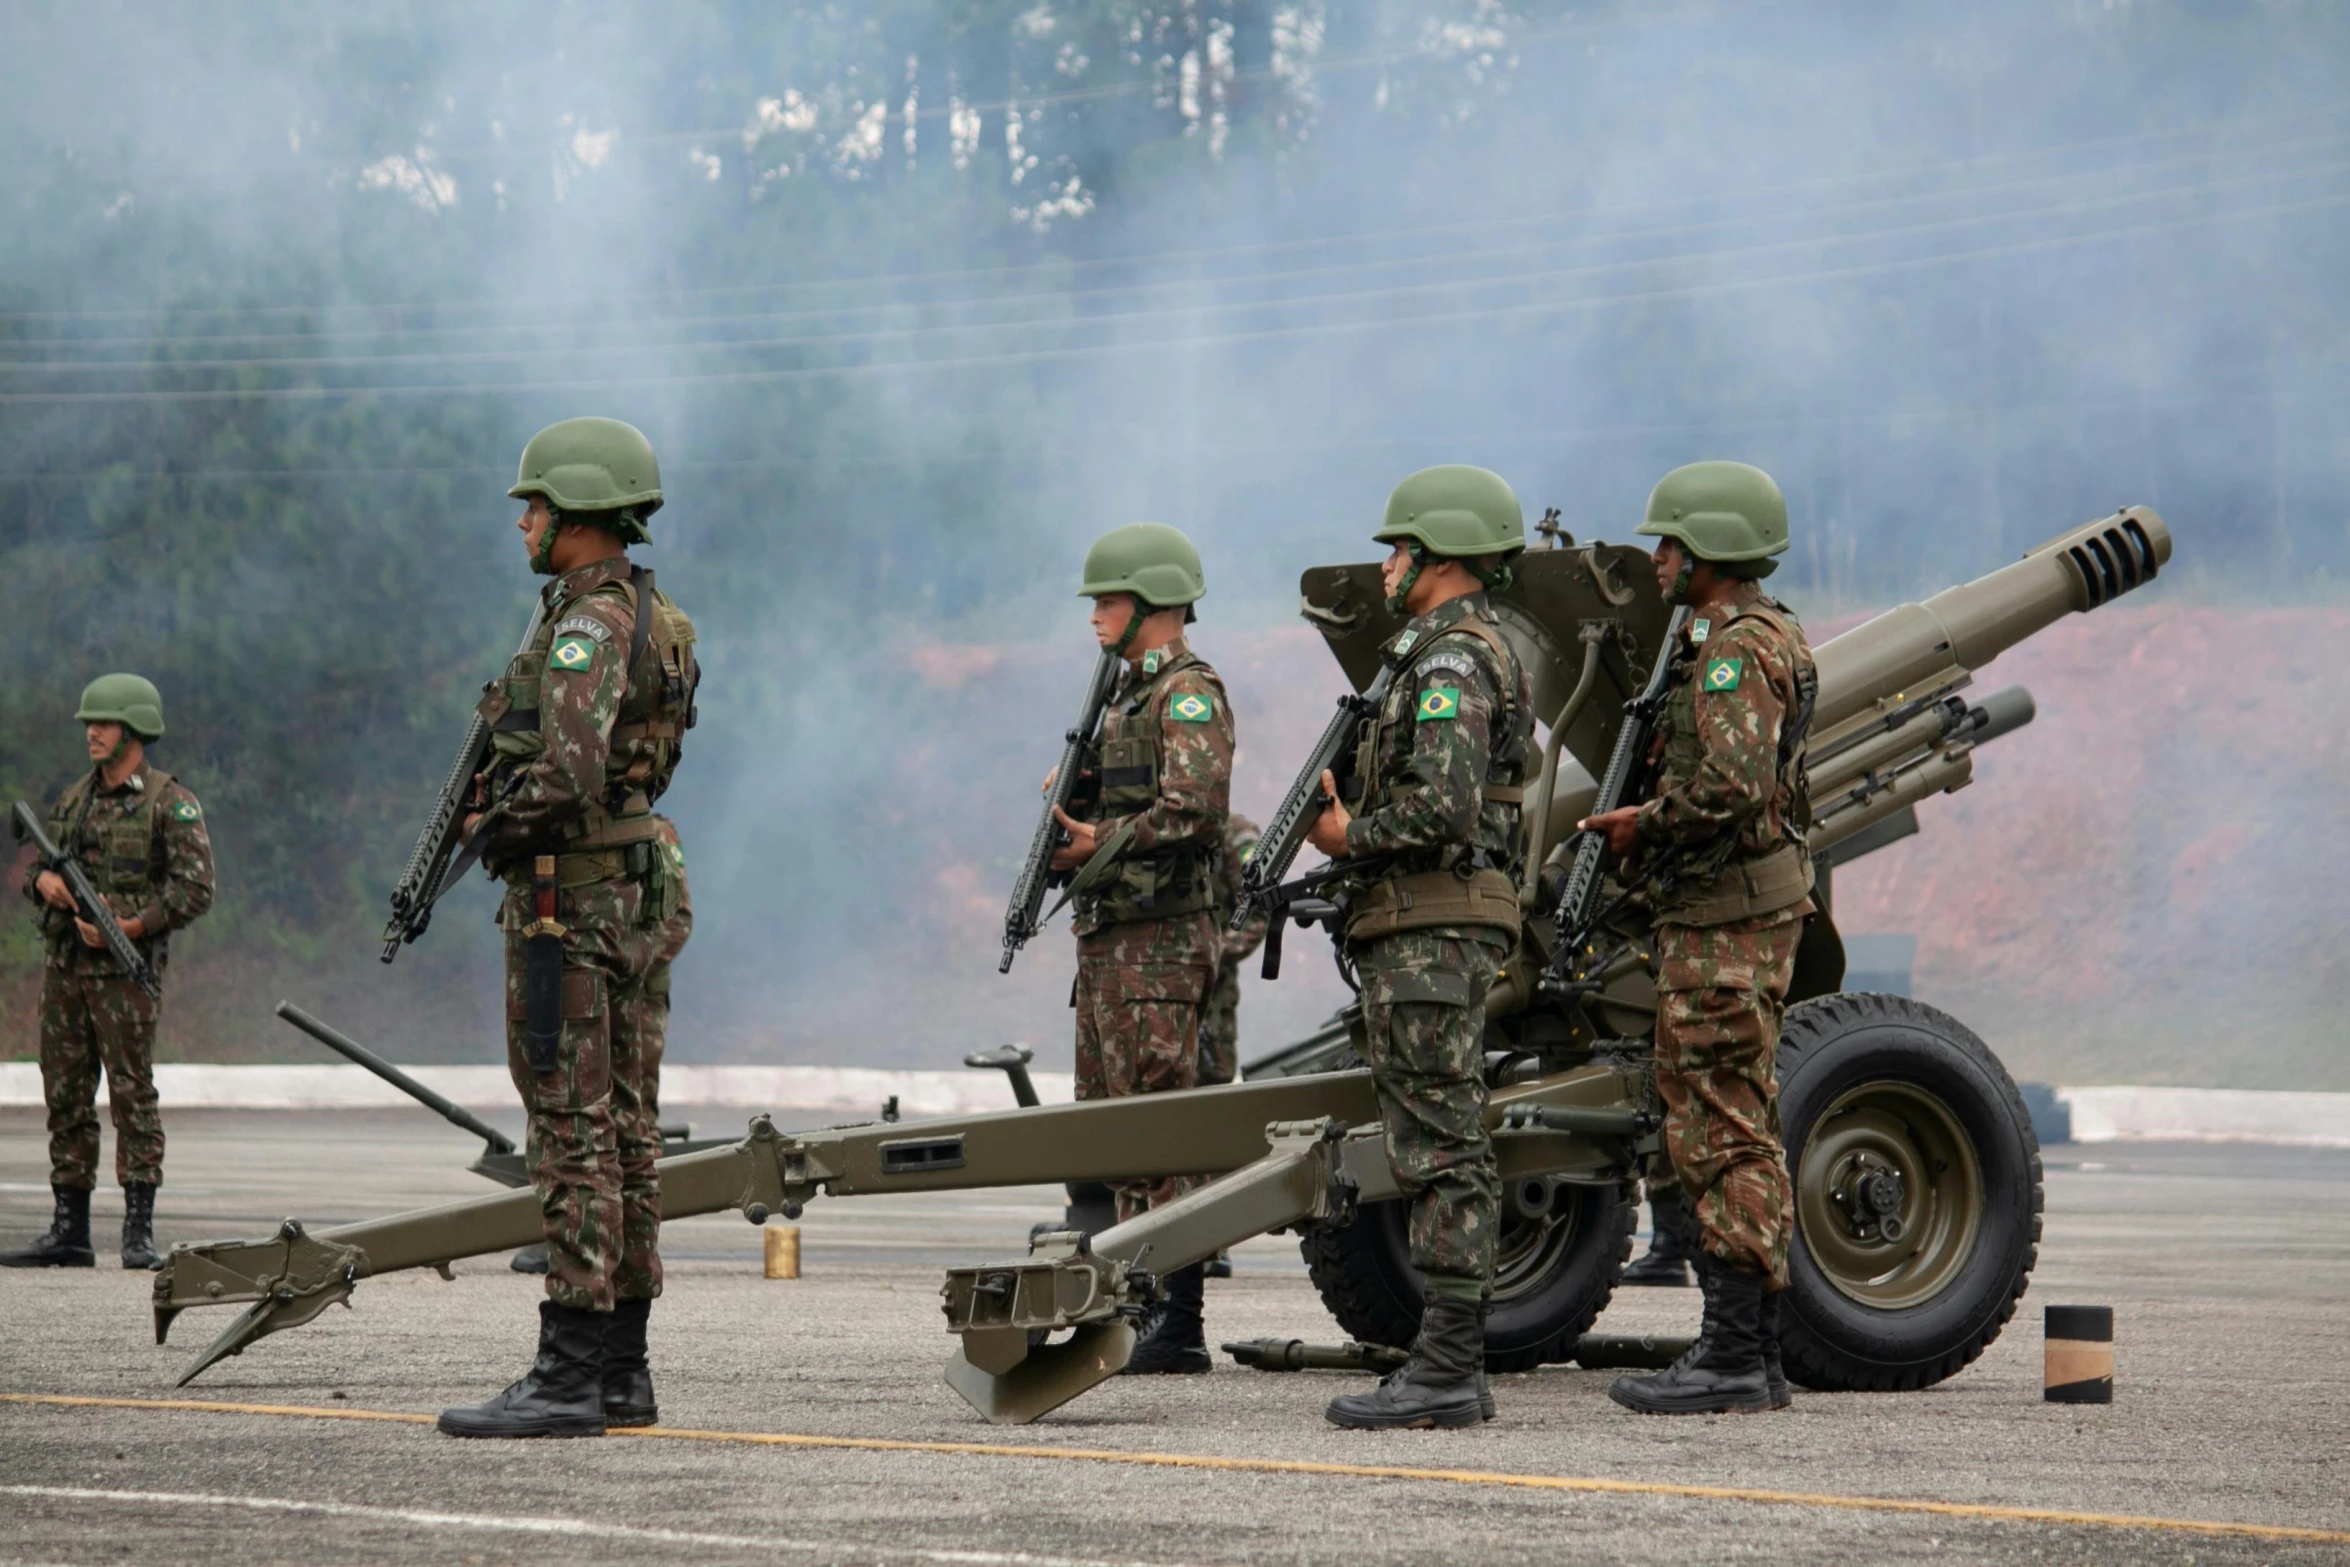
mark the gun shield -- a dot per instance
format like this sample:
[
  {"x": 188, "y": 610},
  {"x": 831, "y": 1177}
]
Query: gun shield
[{"x": 542, "y": 972}]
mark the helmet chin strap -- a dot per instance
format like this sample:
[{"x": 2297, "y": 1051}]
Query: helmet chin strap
[
  {"x": 1678, "y": 593},
  {"x": 1403, "y": 589},
  {"x": 1136, "y": 609},
  {"x": 542, "y": 557}
]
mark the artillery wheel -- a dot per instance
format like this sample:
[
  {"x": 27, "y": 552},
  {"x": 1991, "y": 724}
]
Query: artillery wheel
[
  {"x": 1562, "y": 1249},
  {"x": 1917, "y": 1193}
]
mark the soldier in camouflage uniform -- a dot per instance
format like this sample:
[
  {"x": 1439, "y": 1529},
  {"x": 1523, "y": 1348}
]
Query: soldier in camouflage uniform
[
  {"x": 1219, "y": 1024},
  {"x": 587, "y": 723},
  {"x": 139, "y": 836},
  {"x": 1729, "y": 814},
  {"x": 1147, "y": 938},
  {"x": 1432, "y": 910},
  {"x": 1219, "y": 1027}
]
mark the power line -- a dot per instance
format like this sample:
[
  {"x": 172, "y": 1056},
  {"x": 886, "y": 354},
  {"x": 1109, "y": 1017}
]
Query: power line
[
  {"x": 1112, "y": 350},
  {"x": 1356, "y": 298},
  {"x": 1203, "y": 254},
  {"x": 1159, "y": 286}
]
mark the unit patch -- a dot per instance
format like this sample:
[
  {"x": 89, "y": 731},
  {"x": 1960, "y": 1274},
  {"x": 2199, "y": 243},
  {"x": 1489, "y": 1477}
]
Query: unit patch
[
  {"x": 188, "y": 811},
  {"x": 571, "y": 653},
  {"x": 584, "y": 626},
  {"x": 1445, "y": 658},
  {"x": 1439, "y": 702},
  {"x": 1699, "y": 630},
  {"x": 1191, "y": 707},
  {"x": 1150, "y": 662},
  {"x": 1721, "y": 674},
  {"x": 1405, "y": 643}
]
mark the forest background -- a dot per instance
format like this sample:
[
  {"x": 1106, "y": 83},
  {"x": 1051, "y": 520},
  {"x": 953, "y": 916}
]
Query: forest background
[{"x": 914, "y": 299}]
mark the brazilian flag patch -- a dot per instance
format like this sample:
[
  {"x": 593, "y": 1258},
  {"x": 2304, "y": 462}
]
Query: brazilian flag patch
[
  {"x": 1721, "y": 674},
  {"x": 1439, "y": 702},
  {"x": 1191, "y": 707},
  {"x": 188, "y": 811},
  {"x": 572, "y": 653}
]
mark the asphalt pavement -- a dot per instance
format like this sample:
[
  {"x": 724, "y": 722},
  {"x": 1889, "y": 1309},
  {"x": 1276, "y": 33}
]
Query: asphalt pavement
[{"x": 814, "y": 1425}]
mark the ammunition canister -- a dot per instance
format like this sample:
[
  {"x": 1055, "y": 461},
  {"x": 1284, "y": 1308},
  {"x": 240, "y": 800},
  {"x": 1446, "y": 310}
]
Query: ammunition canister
[
  {"x": 2080, "y": 1355},
  {"x": 783, "y": 1251}
]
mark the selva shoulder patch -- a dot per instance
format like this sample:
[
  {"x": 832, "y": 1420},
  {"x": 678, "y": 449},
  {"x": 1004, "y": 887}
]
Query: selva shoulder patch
[
  {"x": 1721, "y": 674},
  {"x": 1191, "y": 707},
  {"x": 1438, "y": 702},
  {"x": 584, "y": 626},
  {"x": 571, "y": 654}
]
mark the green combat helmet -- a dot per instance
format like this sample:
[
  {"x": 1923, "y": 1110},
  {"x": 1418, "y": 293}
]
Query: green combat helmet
[
  {"x": 129, "y": 700},
  {"x": 1150, "y": 560},
  {"x": 1724, "y": 512},
  {"x": 594, "y": 465},
  {"x": 1458, "y": 512}
]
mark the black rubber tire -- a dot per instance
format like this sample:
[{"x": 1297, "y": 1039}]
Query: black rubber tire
[
  {"x": 1833, "y": 1342},
  {"x": 1365, "y": 1274}
]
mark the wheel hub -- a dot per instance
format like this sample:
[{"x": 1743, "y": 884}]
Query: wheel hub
[{"x": 1889, "y": 1194}]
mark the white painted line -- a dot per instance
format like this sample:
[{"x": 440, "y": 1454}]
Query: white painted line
[{"x": 555, "y": 1526}]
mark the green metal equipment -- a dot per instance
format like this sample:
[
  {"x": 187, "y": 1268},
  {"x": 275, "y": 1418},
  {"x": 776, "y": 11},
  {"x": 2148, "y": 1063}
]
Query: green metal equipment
[{"x": 1917, "y": 1176}]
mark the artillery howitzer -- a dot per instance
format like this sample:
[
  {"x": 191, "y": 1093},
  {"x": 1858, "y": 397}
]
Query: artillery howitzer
[{"x": 1918, "y": 1193}]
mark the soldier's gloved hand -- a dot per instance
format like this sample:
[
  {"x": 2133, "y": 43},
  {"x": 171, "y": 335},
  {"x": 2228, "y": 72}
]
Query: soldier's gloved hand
[{"x": 53, "y": 890}]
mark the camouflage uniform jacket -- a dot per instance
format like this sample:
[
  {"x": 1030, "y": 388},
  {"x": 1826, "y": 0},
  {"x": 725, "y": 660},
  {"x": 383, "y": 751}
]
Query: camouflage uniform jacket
[
  {"x": 1455, "y": 721},
  {"x": 1162, "y": 764},
  {"x": 589, "y": 720},
  {"x": 1729, "y": 793},
  {"x": 143, "y": 847}
]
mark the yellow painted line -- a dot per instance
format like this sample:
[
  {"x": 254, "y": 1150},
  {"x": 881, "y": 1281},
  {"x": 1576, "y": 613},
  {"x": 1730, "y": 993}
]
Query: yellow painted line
[{"x": 1296, "y": 1466}]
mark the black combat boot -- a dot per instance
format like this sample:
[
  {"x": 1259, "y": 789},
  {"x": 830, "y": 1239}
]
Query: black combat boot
[
  {"x": 561, "y": 1395},
  {"x": 628, "y": 1378},
  {"x": 531, "y": 1259},
  {"x": 138, "y": 1226},
  {"x": 67, "y": 1245},
  {"x": 1666, "y": 1263},
  {"x": 1774, "y": 1374},
  {"x": 1443, "y": 1384},
  {"x": 1722, "y": 1373},
  {"x": 1174, "y": 1344}
]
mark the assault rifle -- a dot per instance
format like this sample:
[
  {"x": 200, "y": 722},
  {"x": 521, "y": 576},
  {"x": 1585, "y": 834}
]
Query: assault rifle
[
  {"x": 1261, "y": 887},
  {"x": 1026, "y": 914},
  {"x": 429, "y": 872},
  {"x": 85, "y": 897},
  {"x": 1579, "y": 913}
]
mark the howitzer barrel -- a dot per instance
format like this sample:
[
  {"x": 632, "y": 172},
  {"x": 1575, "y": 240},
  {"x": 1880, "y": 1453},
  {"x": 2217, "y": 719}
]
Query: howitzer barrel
[{"x": 1961, "y": 629}]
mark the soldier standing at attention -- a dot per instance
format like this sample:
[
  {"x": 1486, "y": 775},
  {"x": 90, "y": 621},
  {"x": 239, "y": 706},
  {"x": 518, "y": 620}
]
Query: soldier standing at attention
[
  {"x": 1730, "y": 809},
  {"x": 139, "y": 835},
  {"x": 587, "y": 724},
  {"x": 1147, "y": 938},
  {"x": 1434, "y": 911}
]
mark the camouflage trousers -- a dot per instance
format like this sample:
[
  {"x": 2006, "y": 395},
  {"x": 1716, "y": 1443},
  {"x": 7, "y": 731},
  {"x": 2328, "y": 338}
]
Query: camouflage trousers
[
  {"x": 1139, "y": 991},
  {"x": 1219, "y": 1026},
  {"x": 1722, "y": 993},
  {"x": 595, "y": 1120},
  {"x": 94, "y": 1018},
  {"x": 1424, "y": 1037}
]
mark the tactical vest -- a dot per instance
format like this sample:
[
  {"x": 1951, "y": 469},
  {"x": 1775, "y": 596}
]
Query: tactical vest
[
  {"x": 1731, "y": 878},
  {"x": 1461, "y": 884},
  {"x": 1166, "y": 883},
  {"x": 656, "y": 708},
  {"x": 124, "y": 858}
]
